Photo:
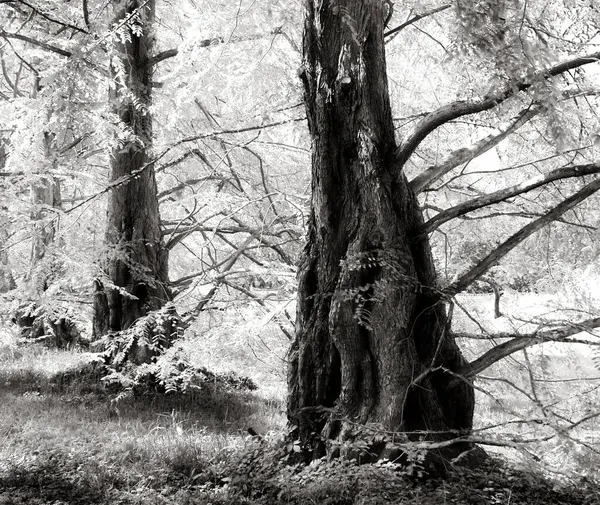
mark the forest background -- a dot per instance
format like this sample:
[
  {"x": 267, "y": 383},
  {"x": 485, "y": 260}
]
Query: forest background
[{"x": 225, "y": 165}]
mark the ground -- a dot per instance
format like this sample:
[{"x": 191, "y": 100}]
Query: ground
[{"x": 70, "y": 442}]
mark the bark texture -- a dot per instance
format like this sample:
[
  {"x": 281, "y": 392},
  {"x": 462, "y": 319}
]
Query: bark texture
[
  {"x": 45, "y": 199},
  {"x": 7, "y": 281},
  {"x": 137, "y": 266},
  {"x": 46, "y": 204},
  {"x": 372, "y": 344}
]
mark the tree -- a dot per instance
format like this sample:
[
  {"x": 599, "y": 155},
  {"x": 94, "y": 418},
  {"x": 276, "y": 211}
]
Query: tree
[
  {"x": 137, "y": 265},
  {"x": 372, "y": 339},
  {"x": 7, "y": 281},
  {"x": 373, "y": 343},
  {"x": 34, "y": 154}
]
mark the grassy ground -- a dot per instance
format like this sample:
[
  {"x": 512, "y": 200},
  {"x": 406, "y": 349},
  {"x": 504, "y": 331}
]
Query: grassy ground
[{"x": 69, "y": 443}]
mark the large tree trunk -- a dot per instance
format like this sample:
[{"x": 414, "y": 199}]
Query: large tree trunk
[
  {"x": 137, "y": 266},
  {"x": 372, "y": 339}
]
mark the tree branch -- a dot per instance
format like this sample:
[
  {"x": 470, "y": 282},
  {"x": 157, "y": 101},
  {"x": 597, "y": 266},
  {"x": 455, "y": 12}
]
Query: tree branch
[
  {"x": 506, "y": 193},
  {"x": 237, "y": 130},
  {"x": 262, "y": 303},
  {"x": 162, "y": 56},
  {"x": 460, "y": 156},
  {"x": 35, "y": 42},
  {"x": 125, "y": 179},
  {"x": 245, "y": 253},
  {"x": 50, "y": 18},
  {"x": 465, "y": 107},
  {"x": 528, "y": 215},
  {"x": 259, "y": 236},
  {"x": 192, "y": 314},
  {"x": 171, "y": 53},
  {"x": 86, "y": 13},
  {"x": 223, "y": 229},
  {"x": 416, "y": 18},
  {"x": 508, "y": 245},
  {"x": 520, "y": 342}
]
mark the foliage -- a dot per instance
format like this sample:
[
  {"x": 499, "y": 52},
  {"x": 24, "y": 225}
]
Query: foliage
[
  {"x": 240, "y": 479},
  {"x": 171, "y": 373},
  {"x": 148, "y": 337},
  {"x": 56, "y": 325}
]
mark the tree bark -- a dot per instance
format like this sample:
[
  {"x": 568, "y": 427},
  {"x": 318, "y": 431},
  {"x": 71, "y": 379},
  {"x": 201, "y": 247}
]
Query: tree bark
[
  {"x": 46, "y": 201},
  {"x": 372, "y": 343},
  {"x": 7, "y": 281},
  {"x": 137, "y": 264}
]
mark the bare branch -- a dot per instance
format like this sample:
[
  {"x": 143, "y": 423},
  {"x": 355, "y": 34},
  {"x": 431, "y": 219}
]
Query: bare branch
[
  {"x": 262, "y": 303},
  {"x": 162, "y": 56},
  {"x": 528, "y": 215},
  {"x": 225, "y": 229},
  {"x": 50, "y": 18},
  {"x": 416, "y": 18},
  {"x": 259, "y": 236},
  {"x": 465, "y": 107},
  {"x": 460, "y": 156},
  {"x": 171, "y": 53},
  {"x": 192, "y": 314},
  {"x": 263, "y": 178},
  {"x": 238, "y": 130},
  {"x": 508, "y": 245},
  {"x": 390, "y": 12},
  {"x": 506, "y": 193},
  {"x": 86, "y": 14},
  {"x": 245, "y": 253},
  {"x": 125, "y": 179},
  {"x": 38, "y": 43},
  {"x": 520, "y": 342}
]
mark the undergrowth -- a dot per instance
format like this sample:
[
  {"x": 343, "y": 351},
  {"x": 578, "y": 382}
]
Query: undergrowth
[
  {"x": 76, "y": 430},
  {"x": 256, "y": 473}
]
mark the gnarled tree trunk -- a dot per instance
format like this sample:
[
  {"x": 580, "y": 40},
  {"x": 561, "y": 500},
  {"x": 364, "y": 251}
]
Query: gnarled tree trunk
[
  {"x": 137, "y": 266},
  {"x": 372, "y": 344}
]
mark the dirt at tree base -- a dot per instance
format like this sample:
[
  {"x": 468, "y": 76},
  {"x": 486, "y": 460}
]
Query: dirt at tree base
[{"x": 259, "y": 482}]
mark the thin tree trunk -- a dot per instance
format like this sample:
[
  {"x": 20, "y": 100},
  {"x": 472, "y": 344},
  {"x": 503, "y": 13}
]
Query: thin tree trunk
[
  {"x": 45, "y": 196},
  {"x": 7, "y": 281},
  {"x": 137, "y": 264},
  {"x": 46, "y": 201},
  {"x": 372, "y": 343}
]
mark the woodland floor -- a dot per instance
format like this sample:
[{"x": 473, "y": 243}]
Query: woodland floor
[{"x": 68, "y": 443}]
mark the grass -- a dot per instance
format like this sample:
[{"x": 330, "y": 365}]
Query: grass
[
  {"x": 69, "y": 442},
  {"x": 71, "y": 430}
]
